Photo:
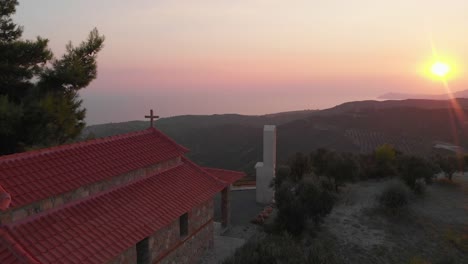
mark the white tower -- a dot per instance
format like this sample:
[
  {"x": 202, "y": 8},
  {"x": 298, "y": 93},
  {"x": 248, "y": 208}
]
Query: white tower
[{"x": 266, "y": 170}]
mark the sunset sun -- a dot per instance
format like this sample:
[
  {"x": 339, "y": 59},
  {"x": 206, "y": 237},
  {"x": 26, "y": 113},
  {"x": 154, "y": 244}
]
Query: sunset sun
[{"x": 440, "y": 69}]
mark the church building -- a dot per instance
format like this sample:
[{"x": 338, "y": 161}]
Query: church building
[{"x": 132, "y": 198}]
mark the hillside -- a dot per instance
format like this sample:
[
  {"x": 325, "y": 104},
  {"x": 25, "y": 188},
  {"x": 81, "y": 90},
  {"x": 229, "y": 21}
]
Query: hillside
[
  {"x": 234, "y": 141},
  {"x": 173, "y": 124},
  {"x": 392, "y": 104},
  {"x": 402, "y": 96}
]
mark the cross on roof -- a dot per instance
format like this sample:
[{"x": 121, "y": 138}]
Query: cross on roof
[{"x": 151, "y": 117}]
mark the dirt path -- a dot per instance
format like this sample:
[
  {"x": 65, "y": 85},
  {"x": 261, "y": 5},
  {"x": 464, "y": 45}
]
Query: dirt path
[{"x": 366, "y": 234}]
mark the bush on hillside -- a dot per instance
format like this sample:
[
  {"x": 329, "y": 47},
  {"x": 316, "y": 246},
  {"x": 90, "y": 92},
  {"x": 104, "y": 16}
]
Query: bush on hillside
[
  {"x": 449, "y": 165},
  {"x": 279, "y": 249},
  {"x": 291, "y": 212},
  {"x": 339, "y": 168},
  {"x": 326, "y": 184},
  {"x": 412, "y": 168},
  {"x": 318, "y": 202},
  {"x": 394, "y": 196},
  {"x": 319, "y": 159},
  {"x": 419, "y": 187},
  {"x": 385, "y": 161},
  {"x": 299, "y": 165},
  {"x": 266, "y": 250},
  {"x": 282, "y": 174},
  {"x": 342, "y": 168},
  {"x": 380, "y": 164},
  {"x": 300, "y": 202}
]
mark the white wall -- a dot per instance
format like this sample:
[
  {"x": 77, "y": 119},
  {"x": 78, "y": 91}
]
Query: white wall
[{"x": 265, "y": 171}]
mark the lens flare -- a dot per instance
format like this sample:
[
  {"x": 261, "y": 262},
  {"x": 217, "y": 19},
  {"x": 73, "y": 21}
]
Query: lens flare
[{"x": 440, "y": 69}]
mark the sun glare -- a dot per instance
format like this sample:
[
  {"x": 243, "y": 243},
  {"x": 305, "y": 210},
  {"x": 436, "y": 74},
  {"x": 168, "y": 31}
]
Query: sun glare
[{"x": 440, "y": 69}]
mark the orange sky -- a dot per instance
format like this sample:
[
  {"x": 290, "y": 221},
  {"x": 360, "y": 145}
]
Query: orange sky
[{"x": 252, "y": 57}]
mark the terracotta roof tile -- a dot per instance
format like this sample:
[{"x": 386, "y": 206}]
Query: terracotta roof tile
[
  {"x": 227, "y": 176},
  {"x": 35, "y": 175},
  {"x": 107, "y": 224},
  {"x": 11, "y": 252}
]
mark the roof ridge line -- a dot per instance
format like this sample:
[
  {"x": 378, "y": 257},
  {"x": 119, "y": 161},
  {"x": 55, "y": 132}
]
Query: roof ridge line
[
  {"x": 93, "y": 196},
  {"x": 204, "y": 171},
  {"x": 211, "y": 168},
  {"x": 74, "y": 145},
  {"x": 160, "y": 133},
  {"x": 216, "y": 171}
]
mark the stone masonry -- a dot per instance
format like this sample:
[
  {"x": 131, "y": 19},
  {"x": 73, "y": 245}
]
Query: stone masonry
[{"x": 167, "y": 246}]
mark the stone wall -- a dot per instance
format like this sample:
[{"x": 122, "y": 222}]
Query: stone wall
[
  {"x": 192, "y": 249},
  {"x": 167, "y": 246},
  {"x": 18, "y": 214},
  {"x": 127, "y": 257},
  {"x": 226, "y": 207}
]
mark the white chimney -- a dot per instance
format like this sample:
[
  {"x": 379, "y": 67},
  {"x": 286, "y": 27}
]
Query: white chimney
[{"x": 266, "y": 170}]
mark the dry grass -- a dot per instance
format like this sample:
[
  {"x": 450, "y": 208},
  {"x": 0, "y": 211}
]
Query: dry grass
[
  {"x": 459, "y": 240},
  {"x": 418, "y": 260},
  {"x": 446, "y": 182},
  {"x": 431, "y": 229}
]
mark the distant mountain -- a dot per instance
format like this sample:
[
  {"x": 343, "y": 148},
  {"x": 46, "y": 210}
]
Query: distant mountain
[
  {"x": 401, "y": 96},
  {"x": 195, "y": 122},
  {"x": 389, "y": 104},
  {"x": 228, "y": 141},
  {"x": 235, "y": 141}
]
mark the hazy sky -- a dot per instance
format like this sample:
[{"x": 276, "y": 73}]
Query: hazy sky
[{"x": 252, "y": 56}]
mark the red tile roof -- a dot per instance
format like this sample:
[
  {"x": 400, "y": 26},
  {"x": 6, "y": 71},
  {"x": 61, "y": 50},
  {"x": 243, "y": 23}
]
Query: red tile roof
[
  {"x": 100, "y": 227},
  {"x": 5, "y": 199},
  {"x": 227, "y": 176},
  {"x": 11, "y": 252},
  {"x": 35, "y": 175}
]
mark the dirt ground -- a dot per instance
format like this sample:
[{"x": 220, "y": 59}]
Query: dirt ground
[
  {"x": 429, "y": 229},
  {"x": 243, "y": 209}
]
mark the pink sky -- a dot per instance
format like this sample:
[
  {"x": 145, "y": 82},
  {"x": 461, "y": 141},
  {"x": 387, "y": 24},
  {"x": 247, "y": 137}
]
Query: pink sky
[{"x": 252, "y": 57}]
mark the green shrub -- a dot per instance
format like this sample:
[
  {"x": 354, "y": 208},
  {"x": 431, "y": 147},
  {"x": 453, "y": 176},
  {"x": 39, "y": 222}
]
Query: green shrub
[
  {"x": 342, "y": 168},
  {"x": 445, "y": 260},
  {"x": 318, "y": 202},
  {"x": 266, "y": 250},
  {"x": 291, "y": 212},
  {"x": 419, "y": 187},
  {"x": 459, "y": 240},
  {"x": 449, "y": 164},
  {"x": 320, "y": 252},
  {"x": 412, "y": 168},
  {"x": 282, "y": 174},
  {"x": 418, "y": 260},
  {"x": 385, "y": 157},
  {"x": 394, "y": 196},
  {"x": 326, "y": 184},
  {"x": 299, "y": 165},
  {"x": 282, "y": 248},
  {"x": 299, "y": 202}
]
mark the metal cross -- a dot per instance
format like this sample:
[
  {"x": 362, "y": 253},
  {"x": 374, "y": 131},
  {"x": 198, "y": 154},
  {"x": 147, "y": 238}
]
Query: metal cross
[{"x": 151, "y": 117}]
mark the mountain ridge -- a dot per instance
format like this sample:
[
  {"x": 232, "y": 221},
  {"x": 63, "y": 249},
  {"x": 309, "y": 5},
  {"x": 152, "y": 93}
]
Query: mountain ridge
[
  {"x": 234, "y": 141},
  {"x": 402, "y": 96}
]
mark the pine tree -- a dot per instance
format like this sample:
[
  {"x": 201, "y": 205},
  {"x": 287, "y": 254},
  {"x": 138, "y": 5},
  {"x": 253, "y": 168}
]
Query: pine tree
[{"x": 39, "y": 102}]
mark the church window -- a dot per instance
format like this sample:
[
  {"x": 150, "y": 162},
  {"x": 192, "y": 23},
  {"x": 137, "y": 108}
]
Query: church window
[
  {"x": 143, "y": 254},
  {"x": 183, "y": 224}
]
